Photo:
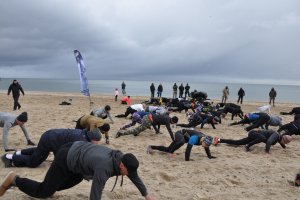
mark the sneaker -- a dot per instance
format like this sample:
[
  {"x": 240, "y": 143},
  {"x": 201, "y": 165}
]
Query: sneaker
[
  {"x": 7, "y": 183},
  {"x": 118, "y": 134},
  {"x": 150, "y": 150},
  {"x": 29, "y": 142},
  {"x": 247, "y": 148},
  {"x": 6, "y": 161},
  {"x": 216, "y": 141}
]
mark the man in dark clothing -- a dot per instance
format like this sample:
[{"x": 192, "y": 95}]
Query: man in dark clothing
[
  {"x": 159, "y": 90},
  {"x": 272, "y": 95},
  {"x": 75, "y": 162},
  {"x": 257, "y": 120},
  {"x": 181, "y": 90},
  {"x": 152, "y": 90},
  {"x": 123, "y": 86},
  {"x": 50, "y": 141},
  {"x": 183, "y": 136},
  {"x": 269, "y": 137},
  {"x": 294, "y": 111},
  {"x": 151, "y": 120},
  {"x": 187, "y": 90},
  {"x": 292, "y": 128},
  {"x": 15, "y": 88},
  {"x": 201, "y": 118},
  {"x": 241, "y": 94}
]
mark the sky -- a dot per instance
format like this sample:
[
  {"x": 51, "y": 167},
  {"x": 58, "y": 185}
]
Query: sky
[{"x": 254, "y": 41}]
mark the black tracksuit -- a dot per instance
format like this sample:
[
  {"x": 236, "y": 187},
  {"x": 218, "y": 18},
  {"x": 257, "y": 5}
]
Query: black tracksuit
[
  {"x": 50, "y": 141},
  {"x": 15, "y": 88}
]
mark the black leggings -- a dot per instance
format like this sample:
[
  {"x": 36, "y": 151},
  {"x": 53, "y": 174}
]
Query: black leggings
[
  {"x": 178, "y": 142},
  {"x": 128, "y": 111},
  {"x": 31, "y": 157},
  {"x": 253, "y": 138},
  {"x": 57, "y": 178},
  {"x": 261, "y": 121}
]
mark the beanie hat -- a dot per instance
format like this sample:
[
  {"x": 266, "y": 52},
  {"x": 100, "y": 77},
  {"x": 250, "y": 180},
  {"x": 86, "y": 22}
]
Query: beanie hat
[
  {"x": 286, "y": 139},
  {"x": 105, "y": 127},
  {"x": 208, "y": 140},
  {"x": 107, "y": 108},
  {"x": 174, "y": 119},
  {"x": 94, "y": 135},
  {"x": 22, "y": 117},
  {"x": 131, "y": 163}
]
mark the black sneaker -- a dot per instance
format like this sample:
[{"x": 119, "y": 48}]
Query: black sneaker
[
  {"x": 247, "y": 148},
  {"x": 6, "y": 161},
  {"x": 118, "y": 134},
  {"x": 29, "y": 142}
]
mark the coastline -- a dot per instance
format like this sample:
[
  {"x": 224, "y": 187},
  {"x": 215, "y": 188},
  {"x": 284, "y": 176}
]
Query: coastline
[{"x": 234, "y": 174}]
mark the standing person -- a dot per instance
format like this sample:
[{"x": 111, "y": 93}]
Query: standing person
[
  {"x": 103, "y": 112},
  {"x": 241, "y": 94},
  {"x": 123, "y": 85},
  {"x": 272, "y": 95},
  {"x": 159, "y": 90},
  {"x": 50, "y": 141},
  {"x": 187, "y": 91},
  {"x": 75, "y": 161},
  {"x": 225, "y": 94},
  {"x": 152, "y": 90},
  {"x": 15, "y": 88},
  {"x": 8, "y": 121},
  {"x": 181, "y": 89},
  {"x": 116, "y": 94},
  {"x": 175, "y": 87}
]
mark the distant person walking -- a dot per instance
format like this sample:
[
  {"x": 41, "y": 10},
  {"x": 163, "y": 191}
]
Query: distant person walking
[
  {"x": 241, "y": 94},
  {"x": 15, "y": 88},
  {"x": 159, "y": 90},
  {"x": 152, "y": 90},
  {"x": 181, "y": 89},
  {"x": 272, "y": 95},
  {"x": 225, "y": 94},
  {"x": 116, "y": 94},
  {"x": 175, "y": 87},
  {"x": 187, "y": 90},
  {"x": 123, "y": 85}
]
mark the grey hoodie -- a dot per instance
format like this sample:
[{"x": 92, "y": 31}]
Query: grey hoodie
[
  {"x": 7, "y": 121},
  {"x": 98, "y": 163}
]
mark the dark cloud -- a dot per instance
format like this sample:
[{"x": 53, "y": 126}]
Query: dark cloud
[{"x": 153, "y": 40}]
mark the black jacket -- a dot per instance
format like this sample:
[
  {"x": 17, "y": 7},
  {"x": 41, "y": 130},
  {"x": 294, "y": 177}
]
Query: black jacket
[{"x": 15, "y": 88}]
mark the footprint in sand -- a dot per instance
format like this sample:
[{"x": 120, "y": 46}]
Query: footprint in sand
[{"x": 165, "y": 177}]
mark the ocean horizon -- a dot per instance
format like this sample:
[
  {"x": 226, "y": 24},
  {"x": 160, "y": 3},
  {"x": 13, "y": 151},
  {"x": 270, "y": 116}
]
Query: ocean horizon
[{"x": 254, "y": 92}]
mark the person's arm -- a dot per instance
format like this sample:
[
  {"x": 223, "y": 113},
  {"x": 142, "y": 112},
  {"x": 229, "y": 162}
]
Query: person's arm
[
  {"x": 207, "y": 151},
  {"x": 110, "y": 118},
  {"x": 188, "y": 152},
  {"x": 99, "y": 180},
  {"x": 21, "y": 89},
  {"x": 128, "y": 125},
  {"x": 139, "y": 184},
  {"x": 25, "y": 131},
  {"x": 9, "y": 90},
  {"x": 170, "y": 131},
  {"x": 271, "y": 140}
]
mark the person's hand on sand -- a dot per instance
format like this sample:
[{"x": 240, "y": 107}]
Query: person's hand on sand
[{"x": 149, "y": 197}]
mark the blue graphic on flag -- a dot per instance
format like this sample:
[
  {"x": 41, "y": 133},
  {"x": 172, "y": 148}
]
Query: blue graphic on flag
[{"x": 82, "y": 73}]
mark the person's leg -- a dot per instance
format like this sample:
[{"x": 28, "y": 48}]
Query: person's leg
[
  {"x": 146, "y": 123},
  {"x": 236, "y": 142},
  {"x": 258, "y": 123},
  {"x": 33, "y": 160},
  {"x": 16, "y": 99},
  {"x": 57, "y": 177},
  {"x": 255, "y": 138}
]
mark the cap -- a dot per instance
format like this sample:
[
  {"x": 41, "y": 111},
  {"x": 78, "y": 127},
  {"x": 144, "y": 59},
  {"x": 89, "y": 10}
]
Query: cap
[
  {"x": 22, "y": 117},
  {"x": 208, "y": 140},
  {"x": 174, "y": 119},
  {"x": 286, "y": 139},
  {"x": 131, "y": 163},
  {"x": 105, "y": 127},
  {"x": 94, "y": 135}
]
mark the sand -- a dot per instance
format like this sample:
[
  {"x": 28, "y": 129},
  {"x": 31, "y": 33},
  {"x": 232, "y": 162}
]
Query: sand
[{"x": 234, "y": 174}]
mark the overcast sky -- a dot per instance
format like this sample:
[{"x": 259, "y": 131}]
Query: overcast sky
[{"x": 205, "y": 40}]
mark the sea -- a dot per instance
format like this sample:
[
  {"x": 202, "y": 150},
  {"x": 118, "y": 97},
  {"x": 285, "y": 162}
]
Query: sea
[{"x": 254, "y": 92}]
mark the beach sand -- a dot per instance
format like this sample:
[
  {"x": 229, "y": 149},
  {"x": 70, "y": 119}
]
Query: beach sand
[{"x": 234, "y": 174}]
